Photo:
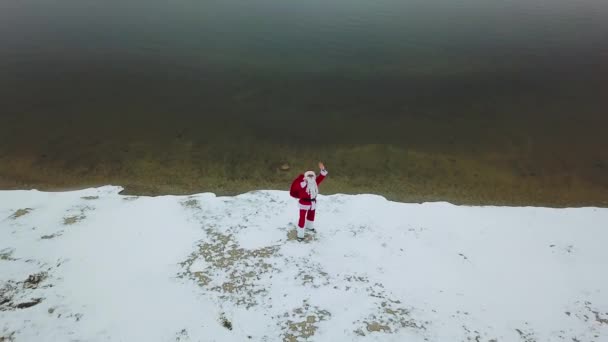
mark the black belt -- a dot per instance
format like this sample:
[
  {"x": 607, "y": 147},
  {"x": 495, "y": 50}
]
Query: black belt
[{"x": 309, "y": 199}]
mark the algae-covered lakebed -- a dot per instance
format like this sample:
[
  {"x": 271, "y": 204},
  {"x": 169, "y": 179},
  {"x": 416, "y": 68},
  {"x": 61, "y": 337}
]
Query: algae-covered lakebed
[{"x": 544, "y": 173}]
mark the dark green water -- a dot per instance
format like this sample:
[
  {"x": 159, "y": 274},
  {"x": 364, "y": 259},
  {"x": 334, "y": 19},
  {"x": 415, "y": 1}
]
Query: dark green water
[{"x": 88, "y": 86}]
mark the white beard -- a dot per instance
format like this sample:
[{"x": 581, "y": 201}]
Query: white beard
[{"x": 311, "y": 188}]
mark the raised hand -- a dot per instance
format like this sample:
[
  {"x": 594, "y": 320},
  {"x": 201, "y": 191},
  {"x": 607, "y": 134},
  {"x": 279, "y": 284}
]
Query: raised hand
[{"x": 321, "y": 166}]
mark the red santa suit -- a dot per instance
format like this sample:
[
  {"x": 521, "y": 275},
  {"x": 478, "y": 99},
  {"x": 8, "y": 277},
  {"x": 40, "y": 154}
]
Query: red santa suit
[{"x": 309, "y": 189}]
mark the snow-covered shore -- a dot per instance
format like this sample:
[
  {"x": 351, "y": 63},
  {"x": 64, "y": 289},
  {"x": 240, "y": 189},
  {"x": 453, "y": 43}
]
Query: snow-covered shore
[{"x": 95, "y": 265}]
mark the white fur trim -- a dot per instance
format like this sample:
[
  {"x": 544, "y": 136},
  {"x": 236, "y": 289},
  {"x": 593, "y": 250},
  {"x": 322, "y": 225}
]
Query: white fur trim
[
  {"x": 324, "y": 172},
  {"x": 303, "y": 184},
  {"x": 309, "y": 173},
  {"x": 309, "y": 225},
  {"x": 312, "y": 206}
]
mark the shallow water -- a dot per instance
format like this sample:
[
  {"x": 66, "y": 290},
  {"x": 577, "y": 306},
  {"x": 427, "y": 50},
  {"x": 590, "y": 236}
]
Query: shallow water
[{"x": 410, "y": 99}]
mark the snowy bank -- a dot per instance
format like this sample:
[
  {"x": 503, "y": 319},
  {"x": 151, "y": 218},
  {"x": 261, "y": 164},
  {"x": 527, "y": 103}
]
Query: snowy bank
[{"x": 95, "y": 265}]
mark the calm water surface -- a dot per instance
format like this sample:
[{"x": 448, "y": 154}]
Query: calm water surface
[{"x": 86, "y": 86}]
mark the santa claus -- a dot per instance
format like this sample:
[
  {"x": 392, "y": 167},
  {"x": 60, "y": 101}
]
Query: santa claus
[{"x": 306, "y": 189}]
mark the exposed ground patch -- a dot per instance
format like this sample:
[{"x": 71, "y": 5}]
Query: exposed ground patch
[
  {"x": 80, "y": 214},
  {"x": 12, "y": 293},
  {"x": 586, "y": 312},
  {"x": 311, "y": 274},
  {"x": 191, "y": 203},
  {"x": 471, "y": 330},
  {"x": 389, "y": 317},
  {"x": 302, "y": 323},
  {"x": 182, "y": 335},
  {"x": 526, "y": 335},
  {"x": 7, "y": 336},
  {"x": 20, "y": 212},
  {"x": 7, "y": 254},
  {"x": 220, "y": 265},
  {"x": 51, "y": 236},
  {"x": 225, "y": 322}
]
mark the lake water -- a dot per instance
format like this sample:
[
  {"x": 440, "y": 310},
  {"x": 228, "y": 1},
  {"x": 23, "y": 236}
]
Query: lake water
[{"x": 183, "y": 95}]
